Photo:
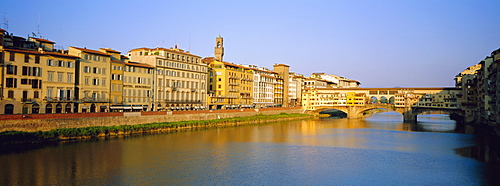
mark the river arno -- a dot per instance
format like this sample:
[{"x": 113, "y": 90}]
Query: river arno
[{"x": 381, "y": 150}]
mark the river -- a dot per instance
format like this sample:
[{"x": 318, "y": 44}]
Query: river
[{"x": 379, "y": 150}]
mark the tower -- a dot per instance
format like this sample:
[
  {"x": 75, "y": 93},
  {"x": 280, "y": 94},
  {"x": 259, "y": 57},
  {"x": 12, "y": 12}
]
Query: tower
[{"x": 219, "y": 48}]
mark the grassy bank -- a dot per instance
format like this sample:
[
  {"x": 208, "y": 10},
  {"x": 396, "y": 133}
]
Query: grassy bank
[{"x": 14, "y": 137}]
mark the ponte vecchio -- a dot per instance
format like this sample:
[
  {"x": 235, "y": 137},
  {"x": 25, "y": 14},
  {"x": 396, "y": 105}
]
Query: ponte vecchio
[{"x": 408, "y": 101}]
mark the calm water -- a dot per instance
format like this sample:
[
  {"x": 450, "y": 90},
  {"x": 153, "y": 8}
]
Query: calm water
[{"x": 381, "y": 150}]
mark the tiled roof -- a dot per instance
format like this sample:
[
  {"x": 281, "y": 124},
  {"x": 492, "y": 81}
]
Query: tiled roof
[
  {"x": 91, "y": 51},
  {"x": 41, "y": 53},
  {"x": 43, "y": 40},
  {"x": 124, "y": 57},
  {"x": 139, "y": 64},
  {"x": 164, "y": 49},
  {"x": 110, "y": 50},
  {"x": 116, "y": 61}
]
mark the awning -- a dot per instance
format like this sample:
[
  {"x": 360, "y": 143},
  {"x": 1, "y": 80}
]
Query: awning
[
  {"x": 137, "y": 107},
  {"x": 116, "y": 107},
  {"x": 127, "y": 108}
]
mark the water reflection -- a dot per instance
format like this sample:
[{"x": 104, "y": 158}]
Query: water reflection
[{"x": 380, "y": 150}]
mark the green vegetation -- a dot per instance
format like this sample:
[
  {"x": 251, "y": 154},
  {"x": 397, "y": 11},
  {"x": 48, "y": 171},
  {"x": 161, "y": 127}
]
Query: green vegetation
[{"x": 13, "y": 137}]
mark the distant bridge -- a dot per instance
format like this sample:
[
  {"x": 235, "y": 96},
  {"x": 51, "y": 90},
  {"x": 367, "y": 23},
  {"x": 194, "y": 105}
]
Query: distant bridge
[{"x": 407, "y": 101}]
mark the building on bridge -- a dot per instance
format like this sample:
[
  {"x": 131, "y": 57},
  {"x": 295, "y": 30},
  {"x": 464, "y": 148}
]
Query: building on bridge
[
  {"x": 407, "y": 101},
  {"x": 336, "y": 81}
]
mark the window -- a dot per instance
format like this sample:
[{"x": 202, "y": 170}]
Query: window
[
  {"x": 87, "y": 57},
  {"x": 69, "y": 77},
  {"x": 160, "y": 72},
  {"x": 31, "y": 71},
  {"x": 95, "y": 81},
  {"x": 60, "y": 77},
  {"x": 60, "y": 63},
  {"x": 26, "y": 58},
  {"x": 160, "y": 62},
  {"x": 95, "y": 70},
  {"x": 87, "y": 80},
  {"x": 10, "y": 94},
  {"x": 36, "y": 94},
  {"x": 11, "y": 82},
  {"x": 50, "y": 62},
  {"x": 103, "y": 70},
  {"x": 50, "y": 76},
  {"x": 104, "y": 82},
  {"x": 12, "y": 69},
  {"x": 37, "y": 59},
  {"x": 86, "y": 69},
  {"x": 12, "y": 56},
  {"x": 70, "y": 64}
]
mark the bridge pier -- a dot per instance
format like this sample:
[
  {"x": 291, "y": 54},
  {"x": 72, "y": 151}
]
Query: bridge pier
[{"x": 409, "y": 116}]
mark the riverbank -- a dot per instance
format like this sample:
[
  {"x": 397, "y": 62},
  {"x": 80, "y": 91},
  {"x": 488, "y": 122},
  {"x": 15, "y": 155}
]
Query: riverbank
[
  {"x": 47, "y": 122},
  {"x": 61, "y": 134}
]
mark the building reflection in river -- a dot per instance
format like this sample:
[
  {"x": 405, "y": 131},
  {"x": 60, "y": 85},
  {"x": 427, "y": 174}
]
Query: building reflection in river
[
  {"x": 317, "y": 152},
  {"x": 70, "y": 164}
]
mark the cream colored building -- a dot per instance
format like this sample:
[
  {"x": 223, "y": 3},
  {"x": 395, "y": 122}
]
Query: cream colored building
[
  {"x": 338, "y": 81},
  {"x": 263, "y": 86},
  {"x": 93, "y": 79},
  {"x": 116, "y": 76},
  {"x": 137, "y": 87},
  {"x": 180, "y": 77},
  {"x": 35, "y": 78}
]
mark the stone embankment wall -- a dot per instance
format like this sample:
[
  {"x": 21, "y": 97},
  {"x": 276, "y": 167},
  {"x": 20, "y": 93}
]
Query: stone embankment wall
[{"x": 46, "y": 122}]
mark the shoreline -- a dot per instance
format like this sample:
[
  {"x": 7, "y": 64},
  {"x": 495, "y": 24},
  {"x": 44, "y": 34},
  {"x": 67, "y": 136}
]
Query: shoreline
[{"x": 10, "y": 138}]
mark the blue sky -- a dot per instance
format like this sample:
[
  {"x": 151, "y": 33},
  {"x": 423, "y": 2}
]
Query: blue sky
[{"x": 381, "y": 43}]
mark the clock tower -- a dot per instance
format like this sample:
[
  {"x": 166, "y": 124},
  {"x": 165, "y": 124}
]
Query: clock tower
[{"x": 219, "y": 48}]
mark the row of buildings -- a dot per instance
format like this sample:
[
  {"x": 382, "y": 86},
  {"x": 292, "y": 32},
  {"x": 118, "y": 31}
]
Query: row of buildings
[
  {"x": 480, "y": 85},
  {"x": 37, "y": 78}
]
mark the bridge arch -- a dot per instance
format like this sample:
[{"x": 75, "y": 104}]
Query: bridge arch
[{"x": 384, "y": 99}]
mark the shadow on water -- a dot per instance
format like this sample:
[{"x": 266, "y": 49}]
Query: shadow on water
[{"x": 487, "y": 149}]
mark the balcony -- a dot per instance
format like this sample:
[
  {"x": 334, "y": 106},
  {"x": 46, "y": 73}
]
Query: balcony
[
  {"x": 184, "y": 101},
  {"x": 93, "y": 100},
  {"x": 233, "y": 83},
  {"x": 28, "y": 100},
  {"x": 59, "y": 99}
]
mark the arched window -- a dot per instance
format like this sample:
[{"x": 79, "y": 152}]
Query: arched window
[
  {"x": 67, "y": 108},
  {"x": 48, "y": 108},
  {"x": 9, "y": 109},
  {"x": 35, "y": 109},
  {"x": 59, "y": 108},
  {"x": 25, "y": 109}
]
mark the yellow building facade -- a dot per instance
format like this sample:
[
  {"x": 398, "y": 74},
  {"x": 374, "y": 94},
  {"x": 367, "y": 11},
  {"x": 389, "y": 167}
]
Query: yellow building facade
[
  {"x": 116, "y": 76},
  {"x": 180, "y": 77},
  {"x": 93, "y": 82},
  {"x": 137, "y": 87},
  {"x": 35, "y": 78},
  {"x": 230, "y": 85}
]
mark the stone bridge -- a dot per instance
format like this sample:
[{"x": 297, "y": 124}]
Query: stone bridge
[{"x": 407, "y": 101}]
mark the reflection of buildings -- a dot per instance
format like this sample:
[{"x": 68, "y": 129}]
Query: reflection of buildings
[{"x": 71, "y": 164}]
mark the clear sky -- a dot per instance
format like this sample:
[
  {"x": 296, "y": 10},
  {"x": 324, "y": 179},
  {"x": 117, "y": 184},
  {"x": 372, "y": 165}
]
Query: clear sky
[{"x": 381, "y": 43}]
